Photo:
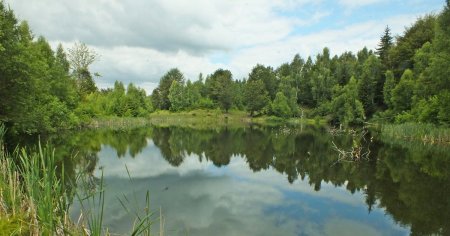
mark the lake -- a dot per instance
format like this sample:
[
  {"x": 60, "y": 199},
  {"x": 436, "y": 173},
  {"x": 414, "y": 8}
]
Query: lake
[{"x": 260, "y": 180}]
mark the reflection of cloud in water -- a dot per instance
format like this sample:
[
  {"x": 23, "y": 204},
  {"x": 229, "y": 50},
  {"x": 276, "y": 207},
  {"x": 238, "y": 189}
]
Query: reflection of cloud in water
[
  {"x": 348, "y": 227},
  {"x": 198, "y": 198},
  {"x": 146, "y": 164}
]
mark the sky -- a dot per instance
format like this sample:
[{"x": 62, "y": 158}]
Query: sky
[{"x": 140, "y": 40}]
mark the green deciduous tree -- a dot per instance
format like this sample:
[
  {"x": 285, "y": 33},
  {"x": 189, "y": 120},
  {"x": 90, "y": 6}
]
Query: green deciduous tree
[
  {"x": 177, "y": 96},
  {"x": 322, "y": 79},
  {"x": 402, "y": 53},
  {"x": 160, "y": 97},
  {"x": 403, "y": 92},
  {"x": 346, "y": 108},
  {"x": 267, "y": 76},
  {"x": 389, "y": 85},
  {"x": 370, "y": 86},
  {"x": 440, "y": 64},
  {"x": 280, "y": 106},
  {"x": 220, "y": 85},
  {"x": 256, "y": 96}
]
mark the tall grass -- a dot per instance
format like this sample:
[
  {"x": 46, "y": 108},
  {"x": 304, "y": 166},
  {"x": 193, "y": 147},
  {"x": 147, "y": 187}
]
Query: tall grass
[
  {"x": 211, "y": 119},
  {"x": 117, "y": 122},
  {"x": 32, "y": 190},
  {"x": 34, "y": 197},
  {"x": 425, "y": 133}
]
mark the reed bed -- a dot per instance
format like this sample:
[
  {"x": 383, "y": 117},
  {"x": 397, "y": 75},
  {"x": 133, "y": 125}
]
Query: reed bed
[
  {"x": 118, "y": 123},
  {"x": 33, "y": 198},
  {"x": 425, "y": 133}
]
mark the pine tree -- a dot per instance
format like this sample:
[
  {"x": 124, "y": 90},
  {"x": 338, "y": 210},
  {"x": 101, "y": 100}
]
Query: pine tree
[{"x": 384, "y": 46}]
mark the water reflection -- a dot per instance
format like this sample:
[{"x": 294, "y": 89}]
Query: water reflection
[{"x": 268, "y": 181}]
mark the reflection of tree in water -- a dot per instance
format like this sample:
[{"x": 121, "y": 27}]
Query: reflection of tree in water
[
  {"x": 169, "y": 146},
  {"x": 413, "y": 185},
  {"x": 411, "y": 182}
]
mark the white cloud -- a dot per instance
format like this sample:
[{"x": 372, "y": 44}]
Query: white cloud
[
  {"x": 196, "y": 27},
  {"x": 349, "y": 38}
]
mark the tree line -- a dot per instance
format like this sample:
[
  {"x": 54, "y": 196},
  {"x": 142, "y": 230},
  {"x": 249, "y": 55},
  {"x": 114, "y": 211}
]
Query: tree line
[{"x": 405, "y": 79}]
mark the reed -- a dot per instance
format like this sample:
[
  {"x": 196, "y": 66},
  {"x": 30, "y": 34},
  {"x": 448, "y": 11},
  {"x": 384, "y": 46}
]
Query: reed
[
  {"x": 34, "y": 197},
  {"x": 117, "y": 123},
  {"x": 425, "y": 133},
  {"x": 92, "y": 201},
  {"x": 32, "y": 194}
]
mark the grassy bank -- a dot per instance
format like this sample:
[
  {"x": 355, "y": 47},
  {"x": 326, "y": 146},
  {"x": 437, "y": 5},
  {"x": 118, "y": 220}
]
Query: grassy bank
[
  {"x": 216, "y": 118},
  {"x": 36, "y": 197},
  {"x": 199, "y": 118},
  {"x": 117, "y": 122},
  {"x": 424, "y": 133}
]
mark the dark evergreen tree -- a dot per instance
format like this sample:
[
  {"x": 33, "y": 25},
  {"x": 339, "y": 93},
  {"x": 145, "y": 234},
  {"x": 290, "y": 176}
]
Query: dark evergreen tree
[{"x": 383, "y": 48}]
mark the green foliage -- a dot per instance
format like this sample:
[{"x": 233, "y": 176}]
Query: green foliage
[
  {"x": 346, "y": 109},
  {"x": 38, "y": 94},
  {"x": 304, "y": 94},
  {"x": 160, "y": 96},
  {"x": 86, "y": 84},
  {"x": 345, "y": 68},
  {"x": 193, "y": 93},
  {"x": 267, "y": 76},
  {"x": 132, "y": 102},
  {"x": 384, "y": 46},
  {"x": 280, "y": 106},
  {"x": 403, "y": 92},
  {"x": 444, "y": 107},
  {"x": 322, "y": 81},
  {"x": 220, "y": 85},
  {"x": 371, "y": 78},
  {"x": 402, "y": 54},
  {"x": 256, "y": 96},
  {"x": 389, "y": 85},
  {"x": 177, "y": 96}
]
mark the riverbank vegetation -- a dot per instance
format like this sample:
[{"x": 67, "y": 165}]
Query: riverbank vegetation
[
  {"x": 213, "y": 118},
  {"x": 37, "y": 193},
  {"x": 425, "y": 133},
  {"x": 406, "y": 79}
]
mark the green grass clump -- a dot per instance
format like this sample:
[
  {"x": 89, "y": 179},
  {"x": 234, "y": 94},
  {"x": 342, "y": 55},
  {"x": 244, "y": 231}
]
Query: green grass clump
[{"x": 14, "y": 225}]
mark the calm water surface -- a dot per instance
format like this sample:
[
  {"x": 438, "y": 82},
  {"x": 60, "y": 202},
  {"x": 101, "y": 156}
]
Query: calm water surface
[{"x": 265, "y": 181}]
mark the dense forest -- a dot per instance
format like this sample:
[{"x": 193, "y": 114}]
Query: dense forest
[{"x": 406, "y": 79}]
